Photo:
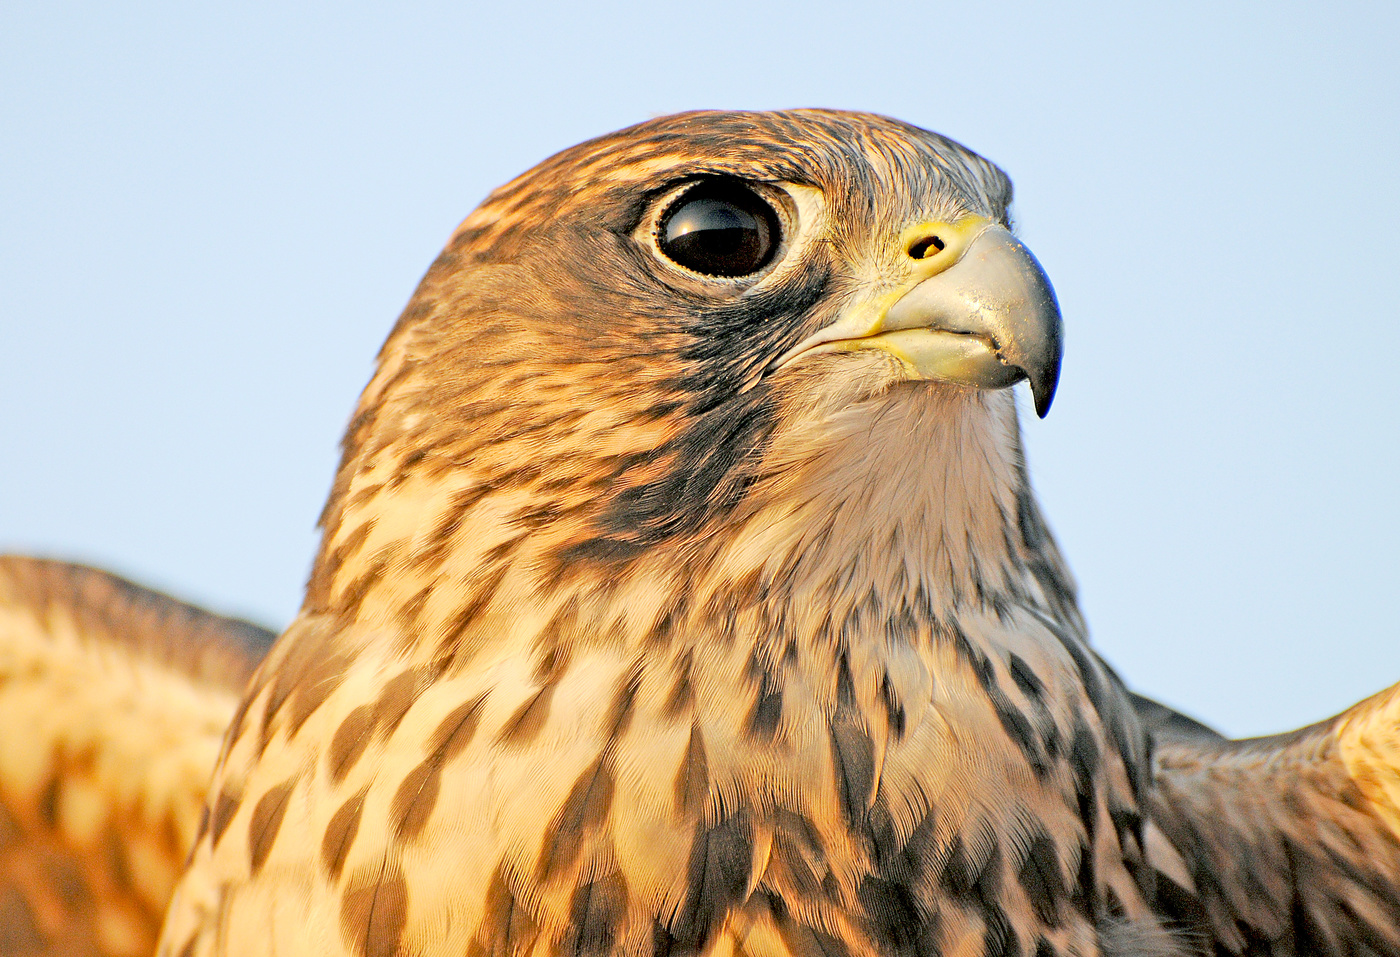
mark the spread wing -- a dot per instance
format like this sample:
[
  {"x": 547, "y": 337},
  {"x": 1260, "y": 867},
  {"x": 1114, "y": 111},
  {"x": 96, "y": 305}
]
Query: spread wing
[
  {"x": 1286, "y": 845},
  {"x": 113, "y": 703}
]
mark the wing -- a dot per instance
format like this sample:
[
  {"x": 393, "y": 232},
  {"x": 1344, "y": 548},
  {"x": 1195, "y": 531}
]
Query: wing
[
  {"x": 1287, "y": 845},
  {"x": 1168, "y": 723},
  {"x": 113, "y": 704}
]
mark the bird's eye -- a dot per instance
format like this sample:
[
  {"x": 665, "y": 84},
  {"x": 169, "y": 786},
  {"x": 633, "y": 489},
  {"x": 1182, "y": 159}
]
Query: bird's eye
[{"x": 719, "y": 229}]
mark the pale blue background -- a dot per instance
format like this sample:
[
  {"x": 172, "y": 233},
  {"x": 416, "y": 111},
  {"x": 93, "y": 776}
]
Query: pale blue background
[{"x": 210, "y": 215}]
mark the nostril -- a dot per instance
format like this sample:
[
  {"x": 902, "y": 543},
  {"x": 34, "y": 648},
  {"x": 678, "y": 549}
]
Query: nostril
[{"x": 926, "y": 247}]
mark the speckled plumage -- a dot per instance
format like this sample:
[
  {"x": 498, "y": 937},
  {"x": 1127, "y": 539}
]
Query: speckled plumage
[
  {"x": 113, "y": 702},
  {"x": 622, "y": 640}
]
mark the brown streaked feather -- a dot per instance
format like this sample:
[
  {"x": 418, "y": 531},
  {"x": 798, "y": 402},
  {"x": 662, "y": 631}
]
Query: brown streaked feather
[
  {"x": 1284, "y": 846},
  {"x": 113, "y": 701},
  {"x": 107, "y": 610}
]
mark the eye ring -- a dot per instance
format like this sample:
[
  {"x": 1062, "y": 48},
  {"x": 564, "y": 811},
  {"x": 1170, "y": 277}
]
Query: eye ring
[{"x": 721, "y": 228}]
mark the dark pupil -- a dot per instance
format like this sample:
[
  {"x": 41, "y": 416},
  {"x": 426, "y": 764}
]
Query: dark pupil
[{"x": 728, "y": 232}]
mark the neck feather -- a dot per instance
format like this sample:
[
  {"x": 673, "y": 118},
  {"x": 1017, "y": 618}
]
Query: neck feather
[{"x": 913, "y": 505}]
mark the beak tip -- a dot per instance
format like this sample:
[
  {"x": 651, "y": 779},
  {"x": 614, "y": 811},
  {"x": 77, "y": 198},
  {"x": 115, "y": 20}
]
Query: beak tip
[{"x": 1043, "y": 389}]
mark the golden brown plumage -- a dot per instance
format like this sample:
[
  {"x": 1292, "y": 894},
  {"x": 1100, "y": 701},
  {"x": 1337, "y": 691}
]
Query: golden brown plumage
[
  {"x": 677, "y": 610},
  {"x": 113, "y": 701}
]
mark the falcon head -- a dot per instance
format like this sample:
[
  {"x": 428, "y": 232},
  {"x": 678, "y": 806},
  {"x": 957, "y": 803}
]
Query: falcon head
[{"x": 706, "y": 322}]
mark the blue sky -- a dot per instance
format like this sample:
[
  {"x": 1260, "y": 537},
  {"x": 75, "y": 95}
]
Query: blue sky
[{"x": 210, "y": 216}]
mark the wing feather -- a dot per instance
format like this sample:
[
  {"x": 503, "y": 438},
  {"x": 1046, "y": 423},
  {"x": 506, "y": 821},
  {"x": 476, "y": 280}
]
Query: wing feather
[
  {"x": 1285, "y": 845},
  {"x": 113, "y": 704}
]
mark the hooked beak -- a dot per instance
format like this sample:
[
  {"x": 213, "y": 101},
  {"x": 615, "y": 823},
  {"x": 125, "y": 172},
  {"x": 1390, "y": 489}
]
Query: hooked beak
[{"x": 979, "y": 312}]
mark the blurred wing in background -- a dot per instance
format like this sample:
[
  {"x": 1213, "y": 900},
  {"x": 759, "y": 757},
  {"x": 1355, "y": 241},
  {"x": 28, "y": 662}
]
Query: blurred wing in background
[
  {"x": 113, "y": 703},
  {"x": 1281, "y": 845}
]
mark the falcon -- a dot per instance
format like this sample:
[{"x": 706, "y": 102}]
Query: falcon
[{"x": 682, "y": 591}]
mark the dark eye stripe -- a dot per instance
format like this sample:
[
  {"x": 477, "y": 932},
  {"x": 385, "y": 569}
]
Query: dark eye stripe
[{"x": 720, "y": 228}]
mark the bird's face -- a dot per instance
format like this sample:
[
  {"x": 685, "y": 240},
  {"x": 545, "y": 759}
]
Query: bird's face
[
  {"x": 743, "y": 245},
  {"x": 616, "y": 349}
]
